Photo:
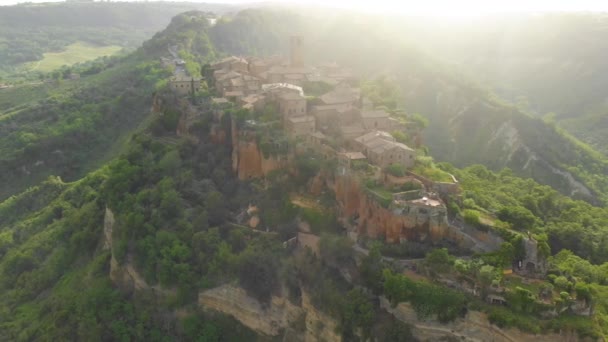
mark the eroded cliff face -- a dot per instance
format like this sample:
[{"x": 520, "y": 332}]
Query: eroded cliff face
[
  {"x": 273, "y": 319},
  {"x": 248, "y": 161},
  {"x": 124, "y": 275},
  {"x": 373, "y": 220},
  {"x": 475, "y": 327}
]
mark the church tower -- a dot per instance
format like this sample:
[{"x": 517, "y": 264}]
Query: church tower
[{"x": 296, "y": 53}]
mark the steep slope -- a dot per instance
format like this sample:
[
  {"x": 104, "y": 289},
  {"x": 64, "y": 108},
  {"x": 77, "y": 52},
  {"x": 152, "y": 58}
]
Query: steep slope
[
  {"x": 545, "y": 63},
  {"x": 70, "y": 128}
]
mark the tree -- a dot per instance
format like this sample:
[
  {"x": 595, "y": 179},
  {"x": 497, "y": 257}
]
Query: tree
[
  {"x": 258, "y": 274},
  {"x": 438, "y": 259},
  {"x": 521, "y": 218},
  {"x": 562, "y": 283},
  {"x": 358, "y": 312},
  {"x": 486, "y": 275},
  {"x": 420, "y": 121}
]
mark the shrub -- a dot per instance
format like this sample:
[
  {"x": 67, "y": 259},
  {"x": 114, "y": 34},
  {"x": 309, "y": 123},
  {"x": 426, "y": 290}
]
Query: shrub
[
  {"x": 471, "y": 217},
  {"x": 396, "y": 170}
]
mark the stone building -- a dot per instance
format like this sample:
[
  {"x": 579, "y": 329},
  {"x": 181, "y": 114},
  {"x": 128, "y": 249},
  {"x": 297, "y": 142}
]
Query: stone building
[
  {"x": 375, "y": 119},
  {"x": 184, "y": 85},
  {"x": 291, "y": 104},
  {"x": 296, "y": 49},
  {"x": 232, "y": 63},
  {"x": 342, "y": 97},
  {"x": 300, "y": 125},
  {"x": 382, "y": 150}
]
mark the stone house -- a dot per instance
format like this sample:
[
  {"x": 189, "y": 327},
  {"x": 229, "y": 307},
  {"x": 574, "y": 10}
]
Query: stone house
[
  {"x": 333, "y": 116},
  {"x": 352, "y": 131},
  {"x": 253, "y": 102},
  {"x": 291, "y": 104},
  {"x": 343, "y": 97},
  {"x": 232, "y": 63},
  {"x": 376, "y": 119},
  {"x": 382, "y": 150},
  {"x": 300, "y": 125},
  {"x": 184, "y": 85},
  {"x": 287, "y": 74}
]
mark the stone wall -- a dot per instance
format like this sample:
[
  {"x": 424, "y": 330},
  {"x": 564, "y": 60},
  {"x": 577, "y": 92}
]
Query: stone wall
[
  {"x": 373, "y": 220},
  {"x": 475, "y": 327}
]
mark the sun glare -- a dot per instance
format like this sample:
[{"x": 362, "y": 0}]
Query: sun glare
[{"x": 463, "y": 8}]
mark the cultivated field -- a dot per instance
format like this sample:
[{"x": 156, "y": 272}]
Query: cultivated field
[{"x": 75, "y": 53}]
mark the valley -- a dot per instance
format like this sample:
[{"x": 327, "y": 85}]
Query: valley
[{"x": 241, "y": 177}]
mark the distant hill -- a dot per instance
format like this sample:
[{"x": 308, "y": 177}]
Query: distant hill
[
  {"x": 544, "y": 63},
  {"x": 29, "y": 30}
]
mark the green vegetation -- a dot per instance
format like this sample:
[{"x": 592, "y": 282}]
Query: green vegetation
[
  {"x": 29, "y": 31},
  {"x": 396, "y": 170},
  {"x": 379, "y": 192},
  {"x": 74, "y": 53},
  {"x": 428, "y": 300},
  {"x": 425, "y": 167},
  {"x": 528, "y": 206},
  {"x": 178, "y": 210}
]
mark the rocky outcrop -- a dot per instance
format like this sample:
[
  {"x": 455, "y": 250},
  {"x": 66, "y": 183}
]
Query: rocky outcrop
[
  {"x": 124, "y": 276},
  {"x": 475, "y": 327},
  {"x": 275, "y": 318},
  {"x": 108, "y": 226},
  {"x": 248, "y": 161},
  {"x": 373, "y": 220}
]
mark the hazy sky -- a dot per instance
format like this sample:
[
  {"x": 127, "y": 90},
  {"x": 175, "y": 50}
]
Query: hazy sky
[{"x": 439, "y": 7}]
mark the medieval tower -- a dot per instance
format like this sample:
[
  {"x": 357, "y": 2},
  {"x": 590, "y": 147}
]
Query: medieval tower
[{"x": 296, "y": 51}]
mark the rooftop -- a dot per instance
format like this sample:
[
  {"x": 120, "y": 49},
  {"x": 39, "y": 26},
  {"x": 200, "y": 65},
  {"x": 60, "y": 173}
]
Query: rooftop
[
  {"x": 352, "y": 129},
  {"x": 302, "y": 119},
  {"x": 274, "y": 86},
  {"x": 184, "y": 78},
  {"x": 233, "y": 93},
  {"x": 219, "y": 100},
  {"x": 374, "y": 114},
  {"x": 427, "y": 201},
  {"x": 340, "y": 95},
  {"x": 318, "y": 135},
  {"x": 373, "y": 135},
  {"x": 353, "y": 155},
  {"x": 291, "y": 96}
]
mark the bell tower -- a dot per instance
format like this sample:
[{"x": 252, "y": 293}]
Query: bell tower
[{"x": 296, "y": 54}]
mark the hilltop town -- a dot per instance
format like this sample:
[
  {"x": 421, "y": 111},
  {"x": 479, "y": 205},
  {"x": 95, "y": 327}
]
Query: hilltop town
[
  {"x": 277, "y": 121},
  {"x": 383, "y": 184},
  {"x": 339, "y": 124}
]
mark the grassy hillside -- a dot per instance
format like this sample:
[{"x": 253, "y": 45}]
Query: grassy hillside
[
  {"x": 29, "y": 31},
  {"x": 74, "y": 53}
]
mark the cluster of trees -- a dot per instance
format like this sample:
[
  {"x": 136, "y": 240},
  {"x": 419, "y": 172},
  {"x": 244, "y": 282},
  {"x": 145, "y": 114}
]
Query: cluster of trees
[
  {"x": 427, "y": 299},
  {"x": 525, "y": 205}
]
